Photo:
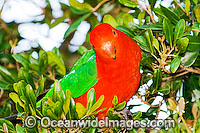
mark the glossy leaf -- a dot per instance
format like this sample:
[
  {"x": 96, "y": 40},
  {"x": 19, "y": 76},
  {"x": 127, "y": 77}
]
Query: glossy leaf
[
  {"x": 149, "y": 39},
  {"x": 152, "y": 27},
  {"x": 121, "y": 105},
  {"x": 170, "y": 14},
  {"x": 142, "y": 43},
  {"x": 16, "y": 98},
  {"x": 82, "y": 50},
  {"x": 79, "y": 6},
  {"x": 128, "y": 3},
  {"x": 157, "y": 78},
  {"x": 137, "y": 115},
  {"x": 25, "y": 75},
  {"x": 187, "y": 6},
  {"x": 156, "y": 44},
  {"x": 196, "y": 27},
  {"x": 179, "y": 30},
  {"x": 96, "y": 105},
  {"x": 31, "y": 96},
  {"x": 81, "y": 110},
  {"x": 55, "y": 61},
  {"x": 75, "y": 25},
  {"x": 20, "y": 129},
  {"x": 175, "y": 64},
  {"x": 6, "y": 74},
  {"x": 41, "y": 86},
  {"x": 110, "y": 20},
  {"x": 115, "y": 101},
  {"x": 90, "y": 98},
  {"x": 10, "y": 126},
  {"x": 194, "y": 43},
  {"x": 67, "y": 101},
  {"x": 19, "y": 58},
  {"x": 126, "y": 31},
  {"x": 197, "y": 12},
  {"x": 182, "y": 44},
  {"x": 189, "y": 58},
  {"x": 168, "y": 30},
  {"x": 165, "y": 88}
]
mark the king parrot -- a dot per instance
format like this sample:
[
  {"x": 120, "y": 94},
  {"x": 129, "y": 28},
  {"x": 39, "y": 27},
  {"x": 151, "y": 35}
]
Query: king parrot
[{"x": 112, "y": 68}]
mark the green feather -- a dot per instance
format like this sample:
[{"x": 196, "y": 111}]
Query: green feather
[{"x": 81, "y": 77}]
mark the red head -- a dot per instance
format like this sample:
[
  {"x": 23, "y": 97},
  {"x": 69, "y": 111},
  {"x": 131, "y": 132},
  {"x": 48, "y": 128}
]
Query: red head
[{"x": 110, "y": 43}]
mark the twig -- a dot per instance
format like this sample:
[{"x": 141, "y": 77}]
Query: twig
[
  {"x": 99, "y": 5},
  {"x": 197, "y": 70},
  {"x": 158, "y": 110},
  {"x": 1, "y": 93},
  {"x": 196, "y": 30},
  {"x": 13, "y": 44},
  {"x": 188, "y": 130},
  {"x": 146, "y": 101},
  {"x": 178, "y": 75}
]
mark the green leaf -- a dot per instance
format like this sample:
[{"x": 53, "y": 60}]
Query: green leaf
[
  {"x": 194, "y": 43},
  {"x": 25, "y": 75},
  {"x": 81, "y": 110},
  {"x": 195, "y": 1},
  {"x": 58, "y": 109},
  {"x": 141, "y": 16},
  {"x": 197, "y": 12},
  {"x": 156, "y": 44},
  {"x": 6, "y": 74},
  {"x": 128, "y": 3},
  {"x": 75, "y": 24},
  {"x": 196, "y": 27},
  {"x": 175, "y": 64},
  {"x": 41, "y": 86},
  {"x": 168, "y": 30},
  {"x": 10, "y": 126},
  {"x": 126, "y": 31},
  {"x": 157, "y": 78},
  {"x": 77, "y": 11},
  {"x": 152, "y": 27},
  {"x": 187, "y": 6},
  {"x": 58, "y": 94},
  {"x": 80, "y": 6},
  {"x": 20, "y": 129},
  {"x": 182, "y": 44},
  {"x": 19, "y": 58},
  {"x": 120, "y": 106},
  {"x": 82, "y": 50},
  {"x": 55, "y": 61},
  {"x": 67, "y": 101},
  {"x": 127, "y": 18},
  {"x": 16, "y": 99},
  {"x": 179, "y": 30},
  {"x": 142, "y": 43},
  {"x": 149, "y": 38},
  {"x": 170, "y": 14},
  {"x": 31, "y": 96},
  {"x": 152, "y": 3},
  {"x": 43, "y": 60},
  {"x": 110, "y": 20},
  {"x": 137, "y": 115},
  {"x": 90, "y": 98},
  {"x": 96, "y": 105},
  {"x": 115, "y": 101},
  {"x": 189, "y": 58}
]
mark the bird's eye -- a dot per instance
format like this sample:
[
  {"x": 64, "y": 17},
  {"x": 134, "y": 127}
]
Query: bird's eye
[{"x": 114, "y": 33}]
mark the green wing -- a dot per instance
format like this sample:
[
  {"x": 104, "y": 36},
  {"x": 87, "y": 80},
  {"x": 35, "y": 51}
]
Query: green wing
[{"x": 81, "y": 77}]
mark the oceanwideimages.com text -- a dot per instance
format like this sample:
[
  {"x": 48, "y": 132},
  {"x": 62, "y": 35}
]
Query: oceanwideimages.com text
[{"x": 46, "y": 122}]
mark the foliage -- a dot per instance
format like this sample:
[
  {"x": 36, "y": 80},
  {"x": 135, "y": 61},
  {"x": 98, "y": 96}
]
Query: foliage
[{"x": 169, "y": 38}]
